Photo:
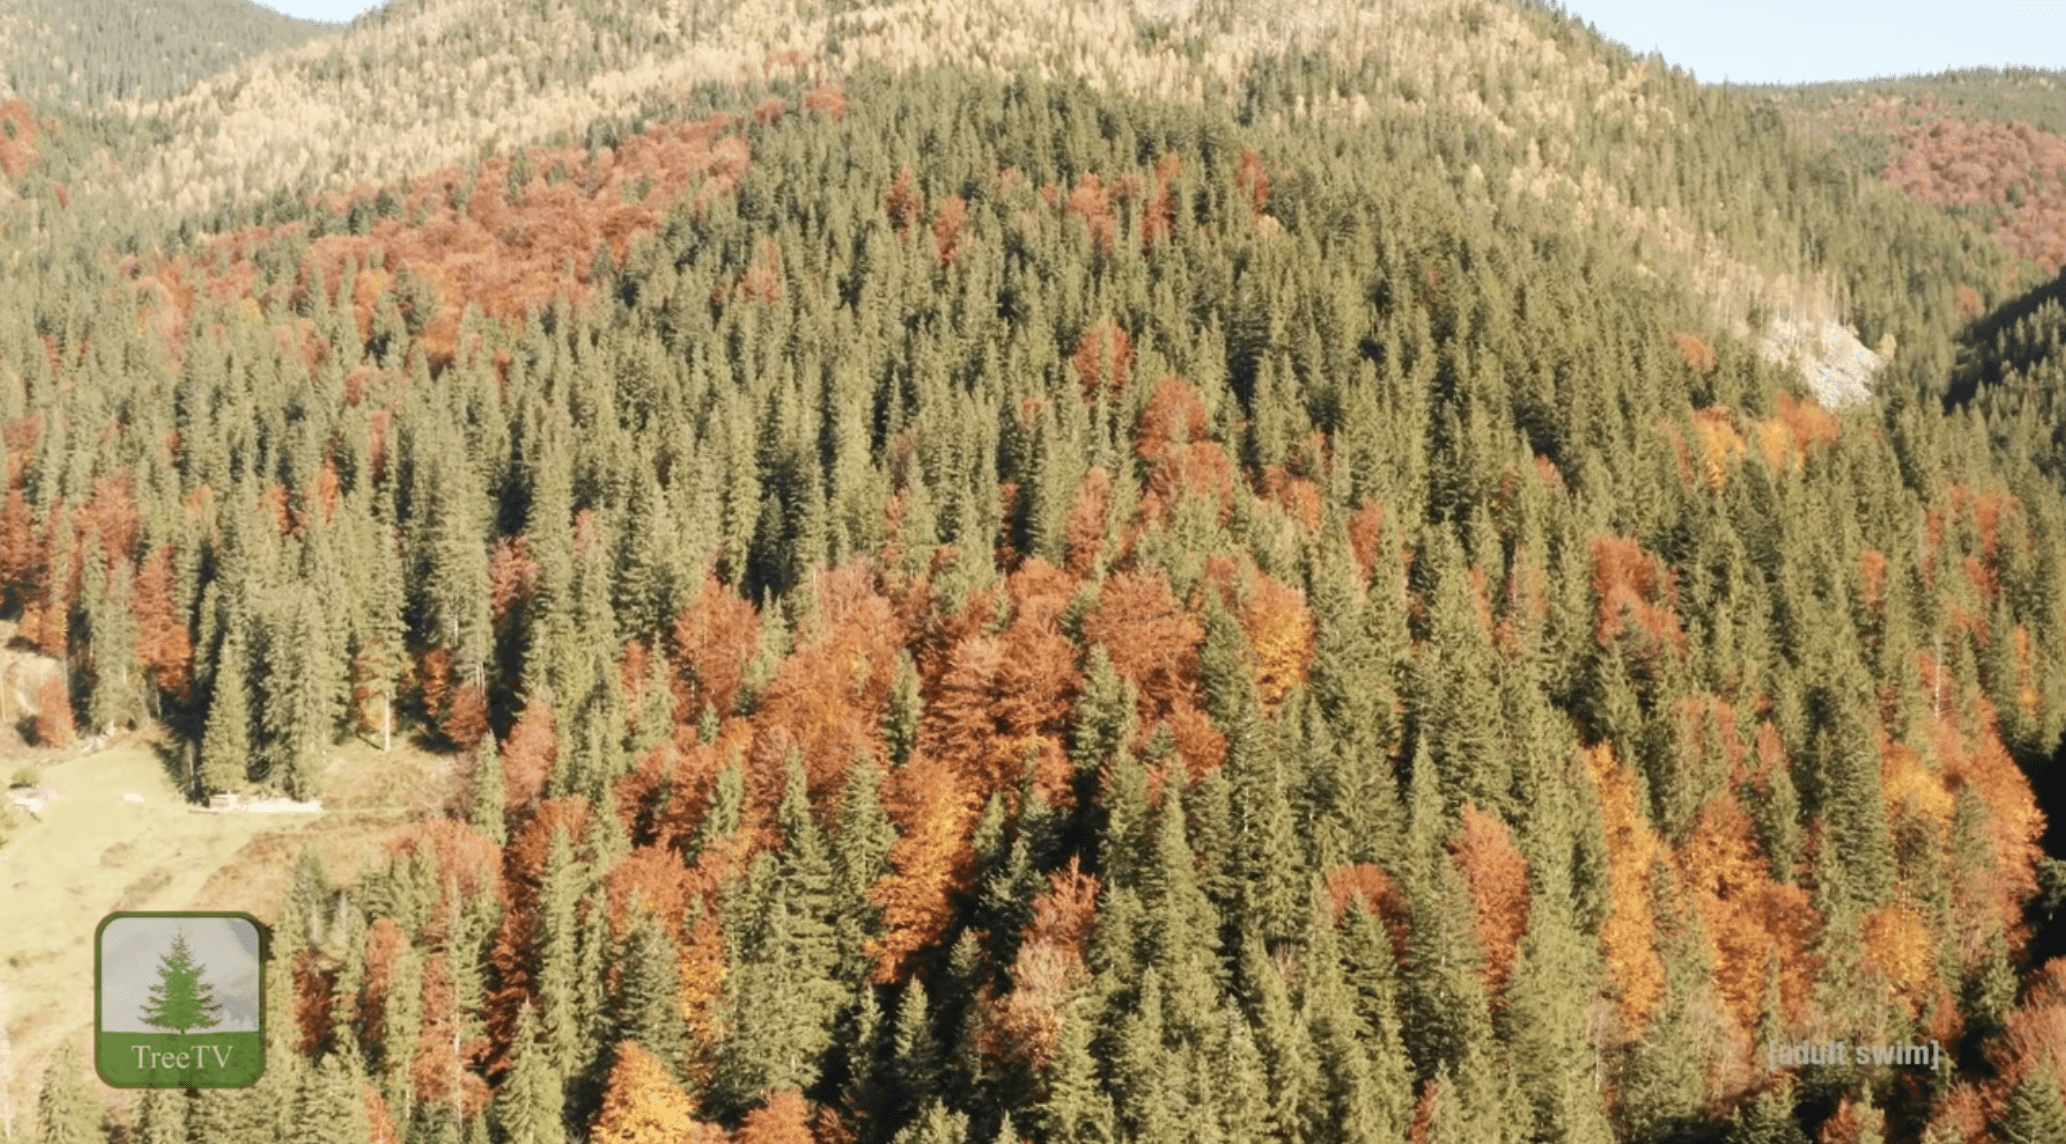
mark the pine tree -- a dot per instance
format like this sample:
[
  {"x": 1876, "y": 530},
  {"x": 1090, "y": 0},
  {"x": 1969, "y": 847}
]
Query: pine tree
[
  {"x": 530, "y": 1102},
  {"x": 226, "y": 744},
  {"x": 66, "y": 1109},
  {"x": 559, "y": 898},
  {"x": 329, "y": 1108},
  {"x": 1766, "y": 1118},
  {"x": 645, "y": 1007},
  {"x": 916, "y": 1058},
  {"x": 2034, "y": 1112},
  {"x": 1076, "y": 1109},
  {"x": 181, "y": 1000},
  {"x": 161, "y": 1117},
  {"x": 297, "y": 689},
  {"x": 485, "y": 804}
]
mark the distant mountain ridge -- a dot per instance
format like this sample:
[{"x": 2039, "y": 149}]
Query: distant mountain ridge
[
  {"x": 419, "y": 85},
  {"x": 65, "y": 52}
]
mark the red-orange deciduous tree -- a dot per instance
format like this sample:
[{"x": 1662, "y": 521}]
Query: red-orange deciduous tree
[
  {"x": 785, "y": 1118},
  {"x": 948, "y": 221},
  {"x": 1046, "y": 974},
  {"x": 383, "y": 949},
  {"x": 904, "y": 204},
  {"x": 1084, "y": 532},
  {"x": 1151, "y": 641},
  {"x": 930, "y": 863},
  {"x": 1749, "y": 917},
  {"x": 529, "y": 753},
  {"x": 1253, "y": 179},
  {"x": 162, "y": 639},
  {"x": 650, "y": 880},
  {"x": 715, "y": 637},
  {"x": 1497, "y": 876},
  {"x": 466, "y": 719},
  {"x": 1091, "y": 200},
  {"x": 1628, "y": 935},
  {"x": 443, "y": 1069},
  {"x": 1103, "y": 360},
  {"x": 53, "y": 713}
]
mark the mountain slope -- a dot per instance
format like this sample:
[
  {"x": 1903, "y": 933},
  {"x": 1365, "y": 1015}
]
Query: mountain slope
[
  {"x": 67, "y": 52},
  {"x": 968, "y": 600},
  {"x": 1622, "y": 144},
  {"x": 1142, "y": 606}
]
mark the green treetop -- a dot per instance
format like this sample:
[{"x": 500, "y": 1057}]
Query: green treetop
[{"x": 181, "y": 1000}]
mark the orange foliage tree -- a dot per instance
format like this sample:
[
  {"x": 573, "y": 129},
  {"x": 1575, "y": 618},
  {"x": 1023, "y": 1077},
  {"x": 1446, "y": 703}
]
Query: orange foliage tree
[
  {"x": 1084, "y": 532},
  {"x": 948, "y": 221},
  {"x": 1497, "y": 876},
  {"x": 1750, "y": 919},
  {"x": 529, "y": 753},
  {"x": 715, "y": 637},
  {"x": 1151, "y": 641},
  {"x": 930, "y": 862},
  {"x": 383, "y": 949},
  {"x": 785, "y": 1118},
  {"x": 162, "y": 639},
  {"x": 1628, "y": 935},
  {"x": 446, "y": 1060},
  {"x": 1007, "y": 698},
  {"x": 643, "y": 1105},
  {"x": 1635, "y": 594},
  {"x": 827, "y": 698},
  {"x": 1047, "y": 973},
  {"x": 466, "y": 719},
  {"x": 702, "y": 968},
  {"x": 1091, "y": 200},
  {"x": 1280, "y": 637},
  {"x": 1103, "y": 360},
  {"x": 1170, "y": 436},
  {"x": 53, "y": 713}
]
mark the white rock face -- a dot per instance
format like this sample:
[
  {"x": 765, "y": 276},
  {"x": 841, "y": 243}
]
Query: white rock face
[{"x": 1838, "y": 367}]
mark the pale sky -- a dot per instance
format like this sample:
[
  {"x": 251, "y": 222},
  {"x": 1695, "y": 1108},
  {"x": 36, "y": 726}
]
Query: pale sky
[
  {"x": 1762, "y": 41},
  {"x": 130, "y": 949},
  {"x": 1803, "y": 41}
]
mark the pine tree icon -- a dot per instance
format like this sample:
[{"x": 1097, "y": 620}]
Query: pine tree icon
[{"x": 181, "y": 1000}]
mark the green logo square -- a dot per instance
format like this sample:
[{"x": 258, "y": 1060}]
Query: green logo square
[{"x": 179, "y": 1000}]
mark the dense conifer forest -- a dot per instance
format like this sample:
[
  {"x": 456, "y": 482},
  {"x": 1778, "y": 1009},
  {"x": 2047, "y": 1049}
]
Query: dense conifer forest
[
  {"x": 994, "y": 608},
  {"x": 68, "y": 52}
]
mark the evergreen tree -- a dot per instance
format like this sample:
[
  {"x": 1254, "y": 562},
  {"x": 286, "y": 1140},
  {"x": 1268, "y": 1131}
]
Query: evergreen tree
[
  {"x": 530, "y": 1101},
  {"x": 180, "y": 1000},
  {"x": 2034, "y": 1110},
  {"x": 66, "y": 1111},
  {"x": 226, "y": 745}
]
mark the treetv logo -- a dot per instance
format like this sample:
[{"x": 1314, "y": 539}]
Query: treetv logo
[{"x": 179, "y": 1000}]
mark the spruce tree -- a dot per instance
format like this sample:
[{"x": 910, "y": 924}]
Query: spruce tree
[
  {"x": 226, "y": 744},
  {"x": 66, "y": 1110},
  {"x": 2034, "y": 1111},
  {"x": 529, "y": 1104},
  {"x": 488, "y": 792}
]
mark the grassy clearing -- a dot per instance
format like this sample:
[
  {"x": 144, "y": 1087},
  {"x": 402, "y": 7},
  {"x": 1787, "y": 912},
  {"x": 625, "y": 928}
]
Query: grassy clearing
[{"x": 92, "y": 853}]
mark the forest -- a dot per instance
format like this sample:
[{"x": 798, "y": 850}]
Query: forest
[{"x": 987, "y": 609}]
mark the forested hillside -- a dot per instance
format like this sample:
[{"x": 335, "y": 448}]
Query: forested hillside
[
  {"x": 981, "y": 607},
  {"x": 1988, "y": 146},
  {"x": 58, "y": 52}
]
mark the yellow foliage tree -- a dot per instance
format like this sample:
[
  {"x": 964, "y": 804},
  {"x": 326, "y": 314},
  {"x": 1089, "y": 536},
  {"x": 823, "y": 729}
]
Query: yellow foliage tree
[
  {"x": 643, "y": 1105},
  {"x": 1627, "y": 937}
]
